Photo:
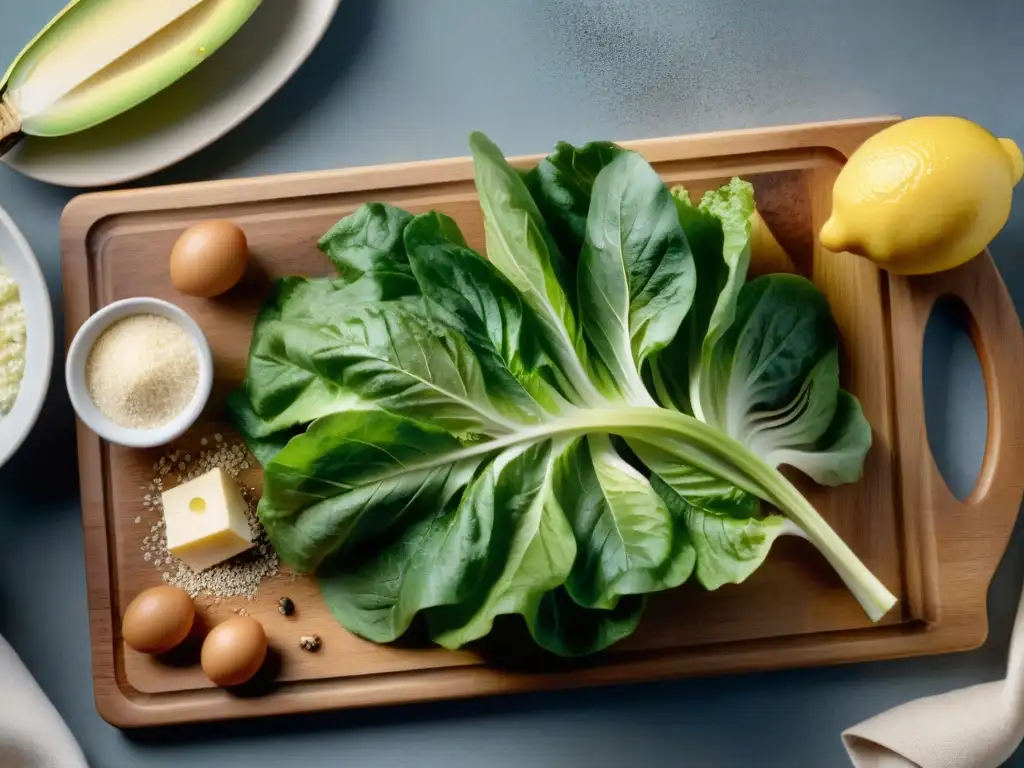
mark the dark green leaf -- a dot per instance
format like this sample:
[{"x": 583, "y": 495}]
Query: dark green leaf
[
  {"x": 718, "y": 232},
  {"x": 782, "y": 329},
  {"x": 530, "y": 545},
  {"x": 522, "y": 248},
  {"x": 390, "y": 355},
  {"x": 563, "y": 627},
  {"x": 729, "y": 542},
  {"x": 264, "y": 439},
  {"x": 561, "y": 185},
  {"x": 366, "y": 240},
  {"x": 470, "y": 295},
  {"x": 622, "y": 527},
  {"x": 636, "y": 275},
  {"x": 837, "y": 456},
  {"x": 354, "y": 478}
]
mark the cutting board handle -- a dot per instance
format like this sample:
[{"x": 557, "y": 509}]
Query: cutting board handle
[{"x": 972, "y": 533}]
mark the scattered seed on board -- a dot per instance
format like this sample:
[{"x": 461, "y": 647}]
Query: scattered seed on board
[
  {"x": 310, "y": 643},
  {"x": 240, "y": 576}
]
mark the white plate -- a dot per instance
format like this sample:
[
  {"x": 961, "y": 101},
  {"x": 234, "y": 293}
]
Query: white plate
[
  {"x": 17, "y": 258},
  {"x": 192, "y": 113}
]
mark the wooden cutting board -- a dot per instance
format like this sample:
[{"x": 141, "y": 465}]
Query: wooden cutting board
[{"x": 935, "y": 553}]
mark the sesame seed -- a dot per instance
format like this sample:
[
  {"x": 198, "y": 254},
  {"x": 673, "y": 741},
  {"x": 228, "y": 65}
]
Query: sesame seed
[{"x": 240, "y": 576}]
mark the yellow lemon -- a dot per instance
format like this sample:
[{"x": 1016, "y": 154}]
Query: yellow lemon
[{"x": 923, "y": 195}]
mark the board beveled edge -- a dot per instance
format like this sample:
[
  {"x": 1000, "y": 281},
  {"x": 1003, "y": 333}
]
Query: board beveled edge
[
  {"x": 422, "y": 686},
  {"x": 964, "y": 628}
]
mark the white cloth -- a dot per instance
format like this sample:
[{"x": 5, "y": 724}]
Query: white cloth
[
  {"x": 976, "y": 727},
  {"x": 32, "y": 733}
]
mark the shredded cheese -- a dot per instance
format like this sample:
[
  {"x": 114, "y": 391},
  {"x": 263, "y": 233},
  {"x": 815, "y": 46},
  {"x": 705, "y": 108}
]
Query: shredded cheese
[{"x": 12, "y": 341}]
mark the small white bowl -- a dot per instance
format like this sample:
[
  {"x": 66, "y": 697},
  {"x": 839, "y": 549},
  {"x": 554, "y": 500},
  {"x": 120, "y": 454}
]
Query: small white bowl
[{"x": 78, "y": 355}]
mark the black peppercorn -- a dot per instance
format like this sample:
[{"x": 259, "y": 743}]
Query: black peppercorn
[{"x": 286, "y": 606}]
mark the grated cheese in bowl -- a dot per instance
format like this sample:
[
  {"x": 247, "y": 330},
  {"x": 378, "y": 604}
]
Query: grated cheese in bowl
[
  {"x": 142, "y": 371},
  {"x": 12, "y": 341}
]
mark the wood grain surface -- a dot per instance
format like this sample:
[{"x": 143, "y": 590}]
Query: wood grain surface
[{"x": 935, "y": 553}]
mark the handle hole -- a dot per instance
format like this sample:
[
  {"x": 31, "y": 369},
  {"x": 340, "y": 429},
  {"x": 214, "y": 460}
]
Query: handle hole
[{"x": 955, "y": 401}]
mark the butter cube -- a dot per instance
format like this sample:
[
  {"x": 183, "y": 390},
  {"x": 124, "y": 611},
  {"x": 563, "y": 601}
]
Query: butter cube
[{"x": 205, "y": 520}]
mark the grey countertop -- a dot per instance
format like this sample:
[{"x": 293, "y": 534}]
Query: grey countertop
[{"x": 407, "y": 79}]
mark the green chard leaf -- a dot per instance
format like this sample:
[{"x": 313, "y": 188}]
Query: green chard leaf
[
  {"x": 837, "y": 455},
  {"x": 522, "y": 248},
  {"x": 531, "y": 548},
  {"x": 278, "y": 399},
  {"x": 393, "y": 355},
  {"x": 367, "y": 240},
  {"x": 778, "y": 367},
  {"x": 729, "y": 539},
  {"x": 718, "y": 232},
  {"x": 264, "y": 439},
  {"x": 435, "y": 426},
  {"x": 623, "y": 529},
  {"x": 353, "y": 478},
  {"x": 561, "y": 185},
  {"x": 469, "y": 295},
  {"x": 783, "y": 328},
  {"x": 636, "y": 274},
  {"x": 563, "y": 627}
]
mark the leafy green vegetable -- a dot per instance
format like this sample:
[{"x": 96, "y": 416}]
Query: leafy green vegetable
[
  {"x": 394, "y": 355},
  {"x": 469, "y": 295},
  {"x": 561, "y": 185},
  {"x": 837, "y": 456},
  {"x": 718, "y": 231},
  {"x": 520, "y": 245},
  {"x": 729, "y": 538},
  {"x": 435, "y": 427},
  {"x": 636, "y": 274},
  {"x": 368, "y": 240},
  {"x": 623, "y": 530},
  {"x": 533, "y": 547},
  {"x": 562, "y": 626},
  {"x": 282, "y": 392}
]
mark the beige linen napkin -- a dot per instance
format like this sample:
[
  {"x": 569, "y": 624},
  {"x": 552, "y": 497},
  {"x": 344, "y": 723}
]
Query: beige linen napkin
[
  {"x": 32, "y": 734},
  {"x": 977, "y": 727}
]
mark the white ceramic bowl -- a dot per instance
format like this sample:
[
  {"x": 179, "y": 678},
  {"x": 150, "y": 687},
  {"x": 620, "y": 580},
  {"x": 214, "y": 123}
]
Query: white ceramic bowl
[
  {"x": 78, "y": 355},
  {"x": 17, "y": 258}
]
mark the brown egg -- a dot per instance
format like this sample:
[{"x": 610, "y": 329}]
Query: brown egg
[
  {"x": 234, "y": 651},
  {"x": 209, "y": 259},
  {"x": 158, "y": 620}
]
